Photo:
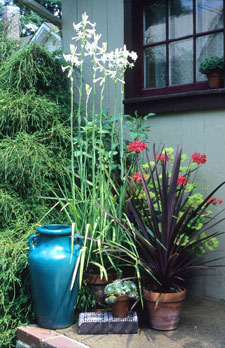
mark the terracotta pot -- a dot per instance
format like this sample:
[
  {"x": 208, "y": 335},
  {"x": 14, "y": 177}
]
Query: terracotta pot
[
  {"x": 95, "y": 278},
  {"x": 214, "y": 80},
  {"x": 165, "y": 315},
  {"x": 120, "y": 308},
  {"x": 97, "y": 285}
]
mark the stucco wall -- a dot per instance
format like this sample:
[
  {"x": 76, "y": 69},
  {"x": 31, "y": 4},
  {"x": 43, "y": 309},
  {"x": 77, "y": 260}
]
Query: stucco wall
[{"x": 194, "y": 131}]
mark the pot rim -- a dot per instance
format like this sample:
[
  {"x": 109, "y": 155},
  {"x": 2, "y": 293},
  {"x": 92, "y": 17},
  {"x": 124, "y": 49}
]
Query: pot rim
[
  {"x": 55, "y": 229},
  {"x": 94, "y": 278},
  {"x": 152, "y": 296},
  {"x": 215, "y": 73},
  {"x": 122, "y": 298}
]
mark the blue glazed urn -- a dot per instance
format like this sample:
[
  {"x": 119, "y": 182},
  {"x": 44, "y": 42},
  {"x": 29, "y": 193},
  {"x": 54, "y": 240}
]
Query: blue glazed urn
[{"x": 51, "y": 267}]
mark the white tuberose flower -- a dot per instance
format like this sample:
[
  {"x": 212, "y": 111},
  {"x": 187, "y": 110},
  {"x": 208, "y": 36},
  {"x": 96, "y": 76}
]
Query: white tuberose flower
[
  {"x": 73, "y": 56},
  {"x": 112, "y": 64}
]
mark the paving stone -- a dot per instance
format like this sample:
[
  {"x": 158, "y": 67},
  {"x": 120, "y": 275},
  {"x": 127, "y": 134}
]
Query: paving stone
[
  {"x": 104, "y": 323},
  {"x": 20, "y": 344},
  {"x": 62, "y": 342}
]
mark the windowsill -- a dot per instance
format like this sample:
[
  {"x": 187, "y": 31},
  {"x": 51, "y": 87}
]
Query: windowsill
[{"x": 187, "y": 101}]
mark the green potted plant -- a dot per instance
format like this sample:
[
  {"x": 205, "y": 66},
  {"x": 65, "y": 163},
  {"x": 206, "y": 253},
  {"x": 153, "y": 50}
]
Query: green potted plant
[
  {"x": 118, "y": 294},
  {"x": 167, "y": 232},
  {"x": 213, "y": 68},
  {"x": 96, "y": 157}
]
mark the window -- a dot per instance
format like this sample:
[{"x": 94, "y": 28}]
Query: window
[{"x": 172, "y": 37}]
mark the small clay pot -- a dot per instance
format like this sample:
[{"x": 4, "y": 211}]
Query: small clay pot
[
  {"x": 97, "y": 285},
  {"x": 120, "y": 308},
  {"x": 164, "y": 309},
  {"x": 214, "y": 80}
]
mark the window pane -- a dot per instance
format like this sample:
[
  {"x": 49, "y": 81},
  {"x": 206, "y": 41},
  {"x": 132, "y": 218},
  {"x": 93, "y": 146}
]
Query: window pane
[
  {"x": 209, "y": 15},
  {"x": 155, "y": 66},
  {"x": 181, "y": 62},
  {"x": 155, "y": 22},
  {"x": 180, "y": 18},
  {"x": 206, "y": 47}
]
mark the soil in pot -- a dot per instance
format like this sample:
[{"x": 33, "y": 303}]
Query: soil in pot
[
  {"x": 165, "y": 314},
  {"x": 120, "y": 308}
]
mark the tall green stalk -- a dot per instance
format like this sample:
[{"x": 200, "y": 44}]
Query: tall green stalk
[
  {"x": 93, "y": 180},
  {"x": 72, "y": 131}
]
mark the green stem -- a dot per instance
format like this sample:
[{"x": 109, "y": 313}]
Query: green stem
[
  {"x": 71, "y": 133},
  {"x": 80, "y": 89},
  {"x": 121, "y": 127},
  {"x": 94, "y": 169},
  {"x": 101, "y": 147}
]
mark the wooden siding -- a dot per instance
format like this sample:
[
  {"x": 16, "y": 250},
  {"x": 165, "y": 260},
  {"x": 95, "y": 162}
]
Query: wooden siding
[{"x": 108, "y": 16}]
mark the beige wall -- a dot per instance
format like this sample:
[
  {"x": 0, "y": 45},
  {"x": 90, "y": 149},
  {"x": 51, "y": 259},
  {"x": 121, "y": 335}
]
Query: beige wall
[{"x": 194, "y": 131}]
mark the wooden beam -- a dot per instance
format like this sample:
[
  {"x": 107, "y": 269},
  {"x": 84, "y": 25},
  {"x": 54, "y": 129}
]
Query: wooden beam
[{"x": 42, "y": 12}]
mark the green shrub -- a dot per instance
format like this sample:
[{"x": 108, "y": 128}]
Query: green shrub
[
  {"x": 28, "y": 164},
  {"x": 33, "y": 68},
  {"x": 28, "y": 112},
  {"x": 15, "y": 298},
  {"x": 34, "y": 148}
]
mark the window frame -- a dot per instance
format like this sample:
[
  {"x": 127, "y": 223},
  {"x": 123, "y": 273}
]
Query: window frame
[{"x": 134, "y": 90}]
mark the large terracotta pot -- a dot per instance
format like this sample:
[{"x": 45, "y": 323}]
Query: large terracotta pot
[
  {"x": 214, "y": 80},
  {"x": 120, "y": 308},
  {"x": 166, "y": 314},
  {"x": 97, "y": 285}
]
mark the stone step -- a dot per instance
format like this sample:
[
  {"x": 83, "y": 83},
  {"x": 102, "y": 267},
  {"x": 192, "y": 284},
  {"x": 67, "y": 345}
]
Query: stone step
[{"x": 33, "y": 336}]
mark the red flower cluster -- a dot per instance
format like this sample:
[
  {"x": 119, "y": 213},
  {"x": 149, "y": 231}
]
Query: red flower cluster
[
  {"x": 181, "y": 180},
  {"x": 137, "y": 146},
  {"x": 198, "y": 158},
  {"x": 137, "y": 177},
  {"x": 162, "y": 157},
  {"x": 214, "y": 201}
]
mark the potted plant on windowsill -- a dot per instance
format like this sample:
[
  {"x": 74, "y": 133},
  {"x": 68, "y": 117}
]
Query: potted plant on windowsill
[
  {"x": 213, "y": 68},
  {"x": 168, "y": 233},
  {"x": 118, "y": 294}
]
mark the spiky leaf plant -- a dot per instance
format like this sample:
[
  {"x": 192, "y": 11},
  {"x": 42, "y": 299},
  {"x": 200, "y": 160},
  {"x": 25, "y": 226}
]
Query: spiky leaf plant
[{"x": 157, "y": 238}]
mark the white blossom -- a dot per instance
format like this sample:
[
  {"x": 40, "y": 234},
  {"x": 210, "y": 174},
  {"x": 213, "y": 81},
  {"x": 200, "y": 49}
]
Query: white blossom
[
  {"x": 88, "y": 90},
  {"x": 89, "y": 33},
  {"x": 133, "y": 55},
  {"x": 84, "y": 18},
  {"x": 65, "y": 67},
  {"x": 79, "y": 36},
  {"x": 90, "y": 48},
  {"x": 77, "y": 26},
  {"x": 67, "y": 57},
  {"x": 112, "y": 64}
]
